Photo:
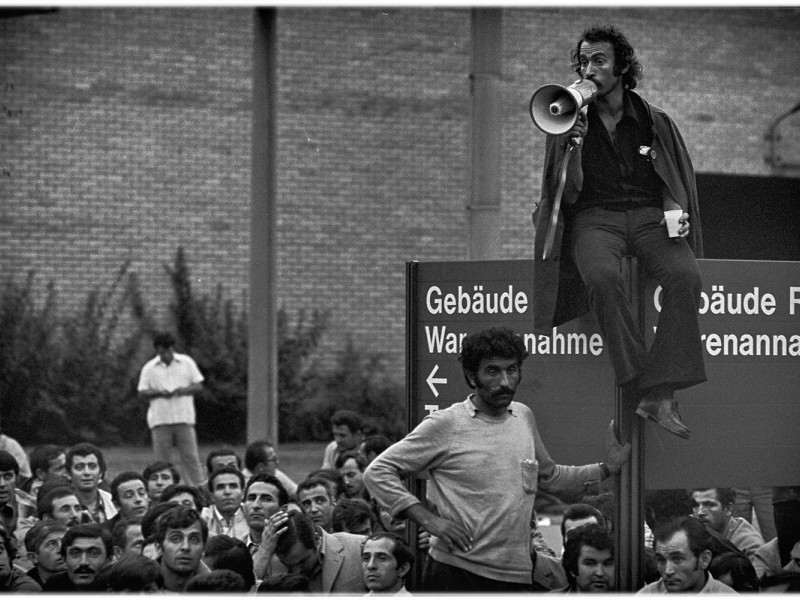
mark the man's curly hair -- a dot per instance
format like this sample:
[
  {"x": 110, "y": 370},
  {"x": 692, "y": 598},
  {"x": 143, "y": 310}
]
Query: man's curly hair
[
  {"x": 624, "y": 56},
  {"x": 498, "y": 342}
]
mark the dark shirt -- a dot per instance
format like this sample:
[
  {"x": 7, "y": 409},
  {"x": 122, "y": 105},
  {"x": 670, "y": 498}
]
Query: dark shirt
[
  {"x": 619, "y": 174},
  {"x": 34, "y": 574},
  {"x": 19, "y": 582},
  {"x": 8, "y": 516}
]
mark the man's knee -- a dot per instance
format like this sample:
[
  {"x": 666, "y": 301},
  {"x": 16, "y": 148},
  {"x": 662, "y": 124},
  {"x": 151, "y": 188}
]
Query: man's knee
[
  {"x": 604, "y": 279},
  {"x": 685, "y": 276}
]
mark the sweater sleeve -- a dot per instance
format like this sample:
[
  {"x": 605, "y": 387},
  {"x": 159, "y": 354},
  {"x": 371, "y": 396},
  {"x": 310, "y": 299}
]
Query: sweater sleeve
[
  {"x": 419, "y": 451},
  {"x": 561, "y": 479}
]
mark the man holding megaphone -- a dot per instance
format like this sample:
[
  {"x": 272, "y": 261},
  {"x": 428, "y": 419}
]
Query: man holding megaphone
[{"x": 616, "y": 175}]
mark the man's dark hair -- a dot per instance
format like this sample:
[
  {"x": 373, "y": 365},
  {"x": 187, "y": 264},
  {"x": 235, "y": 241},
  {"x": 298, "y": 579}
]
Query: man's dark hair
[
  {"x": 217, "y": 544},
  {"x": 664, "y": 505},
  {"x": 221, "y": 452},
  {"x": 179, "y": 488},
  {"x": 624, "y": 56},
  {"x": 119, "y": 531},
  {"x": 9, "y": 543},
  {"x": 225, "y": 552},
  {"x": 133, "y": 573},
  {"x": 8, "y": 462},
  {"x": 85, "y": 449},
  {"x": 42, "y": 455},
  {"x": 375, "y": 444},
  {"x": 125, "y": 477},
  {"x": 349, "y": 418},
  {"x": 698, "y": 536},
  {"x": 154, "y": 515},
  {"x": 345, "y": 456},
  {"x": 349, "y": 513},
  {"x": 225, "y": 471},
  {"x": 37, "y": 534},
  {"x": 283, "y": 495},
  {"x": 218, "y": 580},
  {"x": 579, "y": 511},
  {"x": 159, "y": 466},
  {"x": 401, "y": 552},
  {"x": 285, "y": 583},
  {"x": 498, "y": 342},
  {"x": 596, "y": 536},
  {"x": 45, "y": 499},
  {"x": 179, "y": 517},
  {"x": 87, "y": 531},
  {"x": 163, "y": 339},
  {"x": 299, "y": 528},
  {"x": 742, "y": 572},
  {"x": 725, "y": 496},
  {"x": 256, "y": 453},
  {"x": 332, "y": 485}
]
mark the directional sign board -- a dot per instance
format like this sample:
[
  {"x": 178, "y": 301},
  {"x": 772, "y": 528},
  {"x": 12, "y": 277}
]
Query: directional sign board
[
  {"x": 567, "y": 380},
  {"x": 745, "y": 419}
]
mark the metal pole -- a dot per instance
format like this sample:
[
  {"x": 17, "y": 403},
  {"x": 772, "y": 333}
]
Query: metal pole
[
  {"x": 262, "y": 369},
  {"x": 486, "y": 138},
  {"x": 629, "y": 517}
]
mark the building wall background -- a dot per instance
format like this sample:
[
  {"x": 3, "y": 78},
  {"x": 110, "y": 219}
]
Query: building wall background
[{"x": 126, "y": 133}]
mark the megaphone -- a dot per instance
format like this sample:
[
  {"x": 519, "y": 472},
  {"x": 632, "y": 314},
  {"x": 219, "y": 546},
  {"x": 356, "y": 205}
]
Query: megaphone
[{"x": 555, "y": 108}]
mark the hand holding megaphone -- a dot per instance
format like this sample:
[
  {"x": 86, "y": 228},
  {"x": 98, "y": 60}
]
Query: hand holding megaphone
[
  {"x": 555, "y": 109},
  {"x": 579, "y": 128}
]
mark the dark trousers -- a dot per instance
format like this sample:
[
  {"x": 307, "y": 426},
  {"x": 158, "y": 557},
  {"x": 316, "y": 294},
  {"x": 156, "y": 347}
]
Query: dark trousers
[
  {"x": 441, "y": 577},
  {"x": 786, "y": 509},
  {"x": 600, "y": 238}
]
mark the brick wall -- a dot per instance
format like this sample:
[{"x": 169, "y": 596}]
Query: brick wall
[{"x": 126, "y": 133}]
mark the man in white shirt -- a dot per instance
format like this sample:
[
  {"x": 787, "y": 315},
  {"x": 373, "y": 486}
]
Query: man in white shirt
[
  {"x": 169, "y": 382},
  {"x": 86, "y": 468},
  {"x": 225, "y": 515}
]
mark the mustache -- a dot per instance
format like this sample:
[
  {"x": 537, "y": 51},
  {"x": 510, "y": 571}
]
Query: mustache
[{"x": 84, "y": 571}]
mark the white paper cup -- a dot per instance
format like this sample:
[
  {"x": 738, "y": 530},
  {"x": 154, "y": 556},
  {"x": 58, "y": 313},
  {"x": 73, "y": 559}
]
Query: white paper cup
[{"x": 673, "y": 220}]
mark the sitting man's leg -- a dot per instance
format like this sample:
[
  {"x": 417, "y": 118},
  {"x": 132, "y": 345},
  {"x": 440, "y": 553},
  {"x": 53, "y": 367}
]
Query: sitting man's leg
[{"x": 675, "y": 360}]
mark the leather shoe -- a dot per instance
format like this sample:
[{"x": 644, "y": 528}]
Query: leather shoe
[{"x": 665, "y": 414}]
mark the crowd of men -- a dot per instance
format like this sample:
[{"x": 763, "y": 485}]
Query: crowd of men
[
  {"x": 248, "y": 528},
  {"x": 67, "y": 529}
]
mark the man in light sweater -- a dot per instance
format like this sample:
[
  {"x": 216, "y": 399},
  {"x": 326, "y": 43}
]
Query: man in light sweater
[
  {"x": 484, "y": 458},
  {"x": 714, "y": 508}
]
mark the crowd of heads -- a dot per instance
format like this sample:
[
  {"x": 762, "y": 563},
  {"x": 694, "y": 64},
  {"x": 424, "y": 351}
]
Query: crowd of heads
[
  {"x": 160, "y": 539},
  {"x": 77, "y": 529},
  {"x": 80, "y": 528}
]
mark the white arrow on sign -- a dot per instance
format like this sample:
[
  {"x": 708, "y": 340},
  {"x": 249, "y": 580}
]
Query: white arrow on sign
[{"x": 431, "y": 380}]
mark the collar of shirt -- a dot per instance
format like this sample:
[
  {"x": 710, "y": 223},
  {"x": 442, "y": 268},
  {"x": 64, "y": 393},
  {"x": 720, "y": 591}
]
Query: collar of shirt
[
  {"x": 472, "y": 409},
  {"x": 323, "y": 546},
  {"x": 252, "y": 546},
  {"x": 99, "y": 513},
  {"x": 237, "y": 516},
  {"x": 175, "y": 358},
  {"x": 629, "y": 110}
]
